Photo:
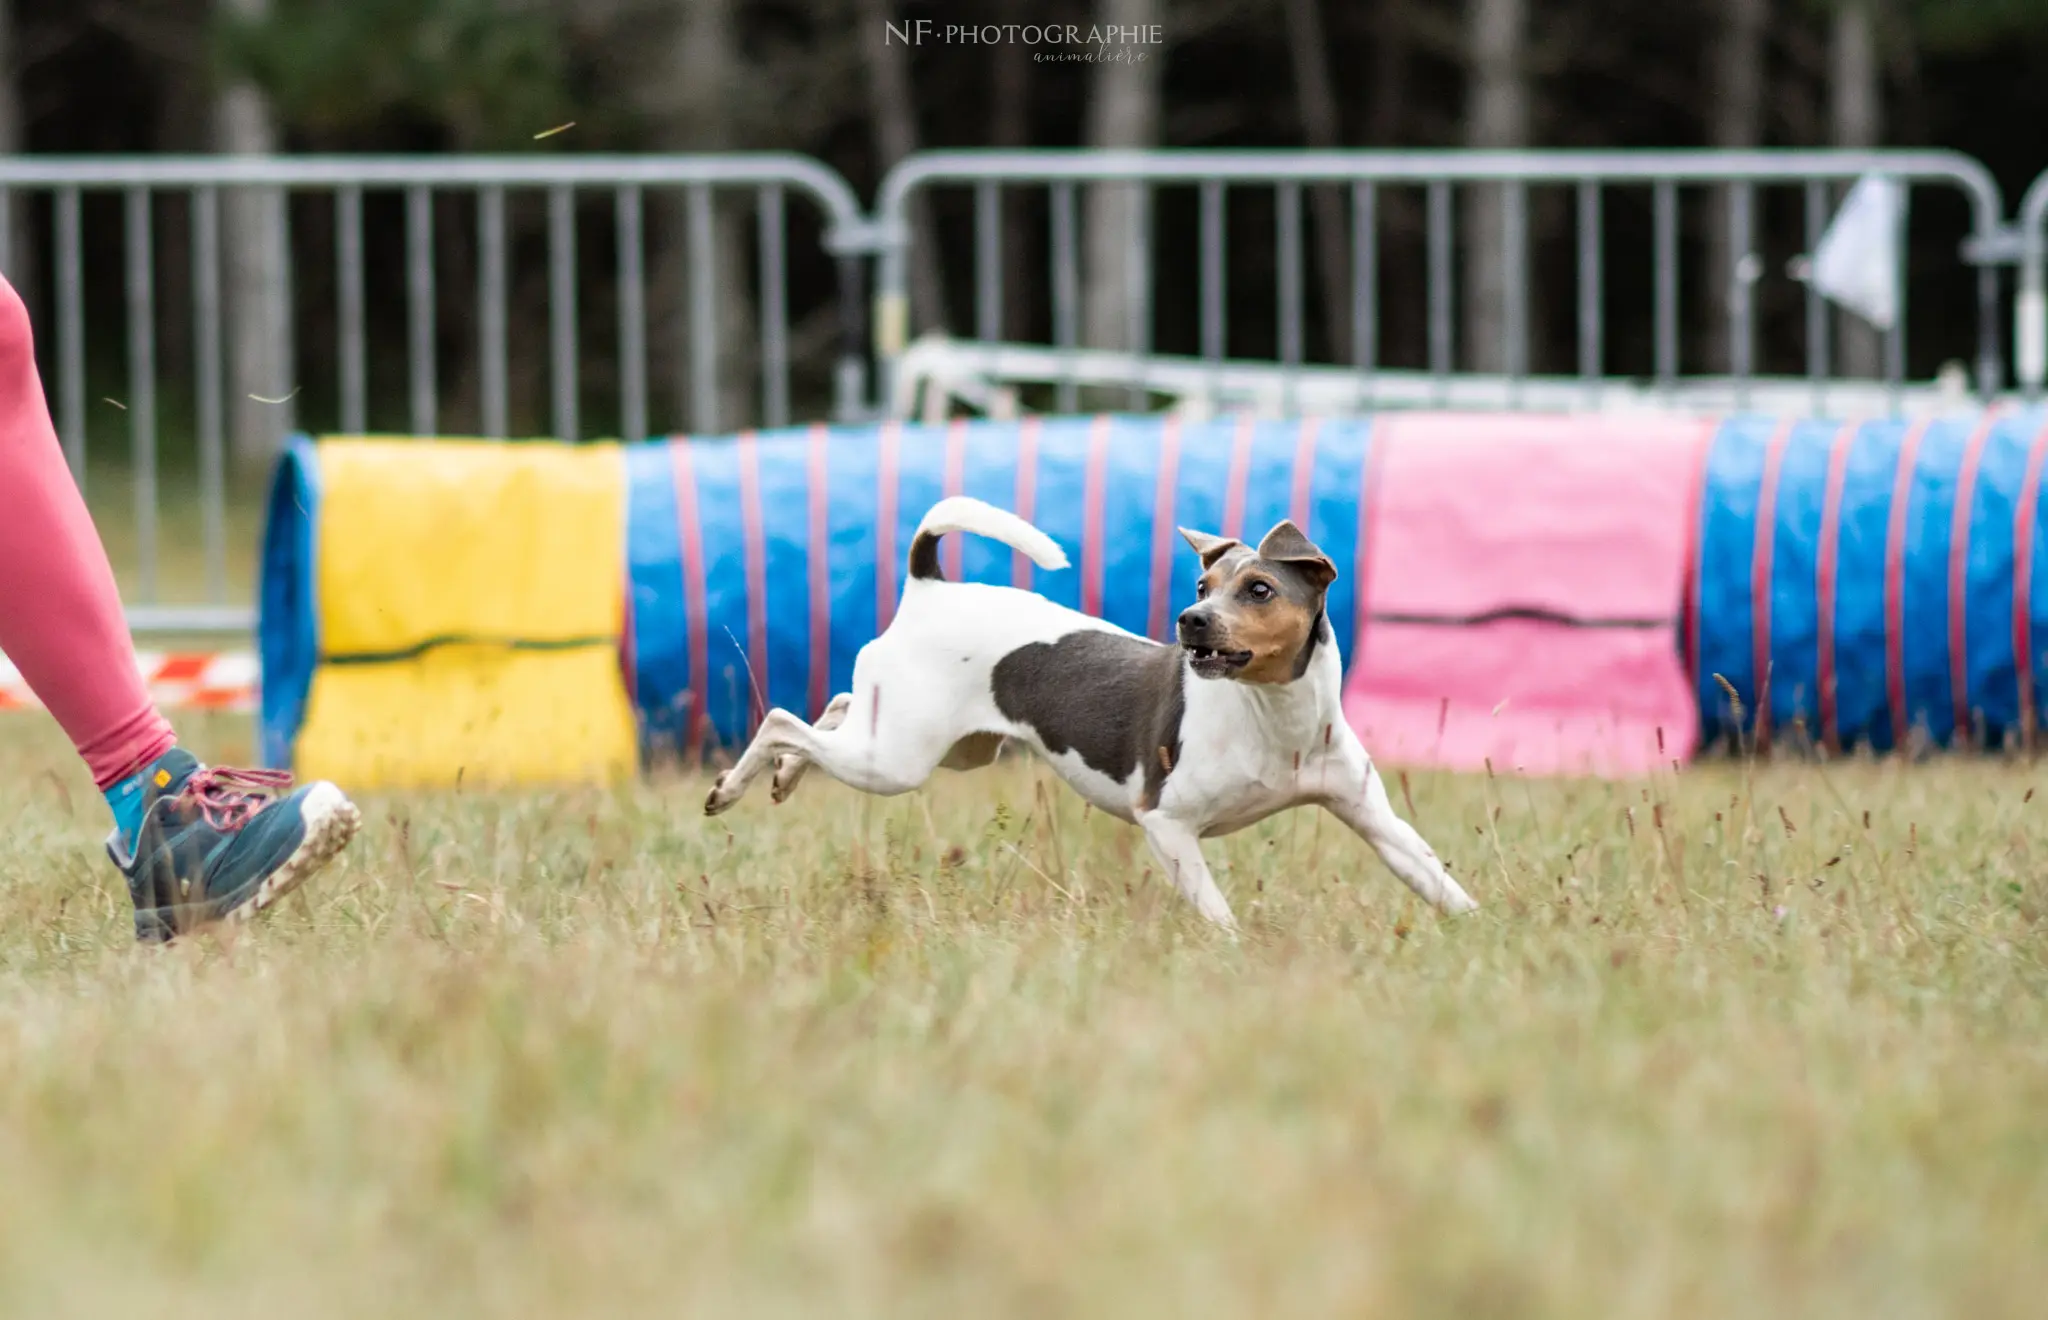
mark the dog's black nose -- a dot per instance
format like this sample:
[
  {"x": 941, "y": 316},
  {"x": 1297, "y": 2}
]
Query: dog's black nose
[{"x": 1193, "y": 623}]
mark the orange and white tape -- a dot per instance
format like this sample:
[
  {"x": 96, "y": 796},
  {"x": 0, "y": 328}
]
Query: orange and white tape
[{"x": 178, "y": 680}]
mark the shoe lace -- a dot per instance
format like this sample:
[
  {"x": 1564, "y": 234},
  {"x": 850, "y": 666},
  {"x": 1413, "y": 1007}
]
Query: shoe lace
[{"x": 227, "y": 797}]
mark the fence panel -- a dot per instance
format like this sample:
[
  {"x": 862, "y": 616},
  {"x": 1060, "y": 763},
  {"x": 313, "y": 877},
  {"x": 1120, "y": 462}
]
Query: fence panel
[
  {"x": 1447, "y": 182},
  {"x": 331, "y": 293}
]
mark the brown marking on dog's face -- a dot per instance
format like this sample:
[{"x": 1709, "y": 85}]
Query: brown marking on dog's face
[{"x": 1258, "y": 614}]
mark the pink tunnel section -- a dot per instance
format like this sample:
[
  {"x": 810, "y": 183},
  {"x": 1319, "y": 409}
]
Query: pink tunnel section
[{"x": 1522, "y": 590}]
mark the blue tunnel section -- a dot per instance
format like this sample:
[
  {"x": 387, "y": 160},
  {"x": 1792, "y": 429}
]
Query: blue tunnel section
[
  {"x": 1872, "y": 585},
  {"x": 802, "y": 537}
]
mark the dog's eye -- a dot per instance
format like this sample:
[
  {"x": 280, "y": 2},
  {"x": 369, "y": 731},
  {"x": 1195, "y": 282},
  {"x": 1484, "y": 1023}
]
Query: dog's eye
[
  {"x": 1259, "y": 591},
  {"x": 1201, "y": 590}
]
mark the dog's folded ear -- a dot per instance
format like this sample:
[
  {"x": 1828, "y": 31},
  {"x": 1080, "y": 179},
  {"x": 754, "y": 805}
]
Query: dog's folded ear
[
  {"x": 1210, "y": 548},
  {"x": 1286, "y": 545}
]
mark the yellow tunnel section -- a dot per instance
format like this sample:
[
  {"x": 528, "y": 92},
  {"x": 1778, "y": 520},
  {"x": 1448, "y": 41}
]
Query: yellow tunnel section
[{"x": 469, "y": 615}]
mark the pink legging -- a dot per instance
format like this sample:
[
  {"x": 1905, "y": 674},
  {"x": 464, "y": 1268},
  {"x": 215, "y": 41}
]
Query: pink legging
[{"x": 60, "y": 614}]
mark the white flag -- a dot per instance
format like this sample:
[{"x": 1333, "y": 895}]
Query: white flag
[{"x": 1857, "y": 262}]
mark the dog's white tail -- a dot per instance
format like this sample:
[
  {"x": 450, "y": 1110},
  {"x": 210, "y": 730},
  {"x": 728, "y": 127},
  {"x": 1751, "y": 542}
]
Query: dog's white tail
[{"x": 959, "y": 513}]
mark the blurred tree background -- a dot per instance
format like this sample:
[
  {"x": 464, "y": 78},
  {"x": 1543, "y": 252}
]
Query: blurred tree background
[{"x": 644, "y": 75}]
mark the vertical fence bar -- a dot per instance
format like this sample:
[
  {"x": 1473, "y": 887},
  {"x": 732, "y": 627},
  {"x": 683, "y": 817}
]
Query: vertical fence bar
[
  {"x": 849, "y": 376},
  {"x": 1365, "y": 277},
  {"x": 206, "y": 355},
  {"x": 988, "y": 262},
  {"x": 1817, "y": 328},
  {"x": 1514, "y": 238},
  {"x": 703, "y": 316},
  {"x": 1665, "y": 218},
  {"x": 1138, "y": 280},
  {"x": 71, "y": 333},
  {"x": 1066, "y": 290},
  {"x": 285, "y": 323},
  {"x": 141, "y": 281},
  {"x": 1592, "y": 324},
  {"x": 491, "y": 313},
  {"x": 1741, "y": 304},
  {"x": 1287, "y": 237},
  {"x": 348, "y": 259},
  {"x": 1213, "y": 270},
  {"x": 562, "y": 309},
  {"x": 1440, "y": 280},
  {"x": 1288, "y": 225},
  {"x": 774, "y": 310},
  {"x": 419, "y": 287},
  {"x": 627, "y": 214},
  {"x": 1990, "y": 369}
]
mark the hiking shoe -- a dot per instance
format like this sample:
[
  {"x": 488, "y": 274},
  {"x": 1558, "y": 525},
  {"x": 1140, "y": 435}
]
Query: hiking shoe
[{"x": 219, "y": 844}]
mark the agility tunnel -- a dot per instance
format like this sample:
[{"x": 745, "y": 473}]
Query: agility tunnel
[
  {"x": 1544, "y": 593},
  {"x": 1873, "y": 584},
  {"x": 438, "y": 613}
]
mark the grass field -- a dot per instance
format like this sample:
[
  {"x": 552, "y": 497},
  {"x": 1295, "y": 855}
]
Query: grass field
[{"x": 1769, "y": 1043}]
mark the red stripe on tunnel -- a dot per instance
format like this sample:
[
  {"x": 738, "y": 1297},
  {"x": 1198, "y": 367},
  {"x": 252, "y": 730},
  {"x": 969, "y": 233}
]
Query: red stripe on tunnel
[
  {"x": 1027, "y": 497},
  {"x": 1240, "y": 477},
  {"x": 956, "y": 482},
  {"x": 1091, "y": 518},
  {"x": 1163, "y": 533},
  {"x": 2023, "y": 518},
  {"x": 696, "y": 622},
  {"x": 1304, "y": 474},
  {"x": 1824, "y": 571},
  {"x": 1895, "y": 583},
  {"x": 754, "y": 547},
  {"x": 1959, "y": 580},
  {"x": 885, "y": 525},
  {"x": 1760, "y": 581}
]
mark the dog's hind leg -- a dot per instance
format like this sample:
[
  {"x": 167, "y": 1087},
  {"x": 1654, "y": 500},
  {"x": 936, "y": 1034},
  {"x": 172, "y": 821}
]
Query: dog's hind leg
[
  {"x": 790, "y": 766},
  {"x": 871, "y": 756}
]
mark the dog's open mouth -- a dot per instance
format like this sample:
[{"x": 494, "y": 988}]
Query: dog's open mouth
[{"x": 1208, "y": 662}]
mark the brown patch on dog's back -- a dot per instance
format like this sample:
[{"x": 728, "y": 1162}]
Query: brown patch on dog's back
[{"x": 1113, "y": 700}]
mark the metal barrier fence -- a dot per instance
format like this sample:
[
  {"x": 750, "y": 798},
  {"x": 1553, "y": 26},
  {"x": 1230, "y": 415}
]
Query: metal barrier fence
[
  {"x": 492, "y": 185},
  {"x": 378, "y": 313},
  {"x": 1590, "y": 175}
]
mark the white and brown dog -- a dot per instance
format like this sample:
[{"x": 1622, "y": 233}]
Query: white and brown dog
[{"x": 1241, "y": 719}]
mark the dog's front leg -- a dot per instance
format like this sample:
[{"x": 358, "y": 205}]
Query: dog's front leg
[
  {"x": 1362, "y": 804},
  {"x": 1179, "y": 850}
]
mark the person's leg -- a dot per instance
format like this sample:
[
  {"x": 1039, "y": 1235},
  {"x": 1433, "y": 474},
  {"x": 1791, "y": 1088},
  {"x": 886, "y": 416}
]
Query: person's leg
[
  {"x": 60, "y": 615},
  {"x": 196, "y": 844}
]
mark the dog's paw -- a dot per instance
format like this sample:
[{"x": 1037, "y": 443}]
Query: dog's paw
[{"x": 717, "y": 800}]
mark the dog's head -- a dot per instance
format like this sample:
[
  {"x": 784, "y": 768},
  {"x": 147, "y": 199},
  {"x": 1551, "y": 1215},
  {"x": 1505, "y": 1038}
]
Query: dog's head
[{"x": 1258, "y": 614}]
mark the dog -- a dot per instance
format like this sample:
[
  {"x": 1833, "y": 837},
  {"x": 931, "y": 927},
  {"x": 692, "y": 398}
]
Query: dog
[{"x": 1238, "y": 719}]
